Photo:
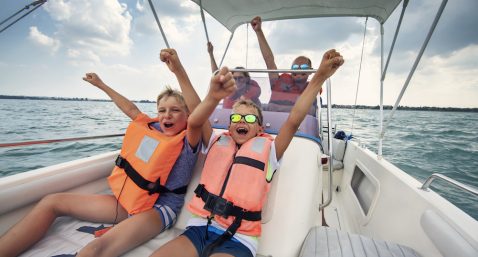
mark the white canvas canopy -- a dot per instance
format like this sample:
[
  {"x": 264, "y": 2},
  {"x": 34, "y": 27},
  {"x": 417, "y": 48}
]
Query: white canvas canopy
[{"x": 232, "y": 13}]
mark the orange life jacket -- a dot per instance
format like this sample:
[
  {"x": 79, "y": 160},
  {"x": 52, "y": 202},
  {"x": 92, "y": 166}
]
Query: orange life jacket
[
  {"x": 233, "y": 183},
  {"x": 143, "y": 166}
]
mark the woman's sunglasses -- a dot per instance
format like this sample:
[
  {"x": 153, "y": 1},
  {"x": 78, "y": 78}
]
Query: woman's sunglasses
[
  {"x": 304, "y": 66},
  {"x": 249, "y": 118}
]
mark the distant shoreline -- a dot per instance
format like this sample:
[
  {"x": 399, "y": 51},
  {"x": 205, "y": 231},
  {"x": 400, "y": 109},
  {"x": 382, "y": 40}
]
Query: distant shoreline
[
  {"x": 338, "y": 106},
  {"x": 22, "y": 97}
]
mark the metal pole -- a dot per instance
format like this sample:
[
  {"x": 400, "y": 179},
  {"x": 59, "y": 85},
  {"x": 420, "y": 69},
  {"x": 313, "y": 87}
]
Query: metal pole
[
  {"x": 203, "y": 20},
  {"x": 159, "y": 24},
  {"x": 384, "y": 70},
  {"x": 414, "y": 67},
  {"x": 380, "y": 139},
  {"x": 329, "y": 121},
  {"x": 225, "y": 51}
]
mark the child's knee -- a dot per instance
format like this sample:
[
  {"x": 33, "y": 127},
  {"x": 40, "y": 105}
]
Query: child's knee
[
  {"x": 53, "y": 203},
  {"x": 94, "y": 248}
]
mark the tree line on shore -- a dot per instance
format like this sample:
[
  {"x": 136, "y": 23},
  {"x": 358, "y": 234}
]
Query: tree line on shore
[{"x": 337, "y": 106}]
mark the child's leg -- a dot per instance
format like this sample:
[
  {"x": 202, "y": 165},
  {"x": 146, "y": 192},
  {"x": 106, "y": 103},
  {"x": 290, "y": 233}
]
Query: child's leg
[
  {"x": 126, "y": 235},
  {"x": 181, "y": 246},
  {"x": 95, "y": 208}
]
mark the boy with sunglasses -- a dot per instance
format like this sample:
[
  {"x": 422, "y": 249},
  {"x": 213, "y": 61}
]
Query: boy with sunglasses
[
  {"x": 238, "y": 170},
  {"x": 285, "y": 88}
]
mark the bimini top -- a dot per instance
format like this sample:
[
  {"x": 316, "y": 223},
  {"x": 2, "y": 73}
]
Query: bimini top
[{"x": 232, "y": 13}]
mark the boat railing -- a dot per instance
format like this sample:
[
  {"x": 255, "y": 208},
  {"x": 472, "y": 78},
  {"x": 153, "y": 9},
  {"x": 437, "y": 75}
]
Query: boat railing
[
  {"x": 48, "y": 141},
  {"x": 455, "y": 183}
]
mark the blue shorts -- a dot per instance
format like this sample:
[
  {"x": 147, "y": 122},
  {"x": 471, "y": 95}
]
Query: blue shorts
[{"x": 197, "y": 235}]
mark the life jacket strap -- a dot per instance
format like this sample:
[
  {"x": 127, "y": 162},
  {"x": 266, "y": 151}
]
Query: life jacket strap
[
  {"x": 228, "y": 234},
  {"x": 151, "y": 187},
  {"x": 222, "y": 207}
]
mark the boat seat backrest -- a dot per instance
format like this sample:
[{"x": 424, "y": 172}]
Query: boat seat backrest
[
  {"x": 329, "y": 242},
  {"x": 272, "y": 121}
]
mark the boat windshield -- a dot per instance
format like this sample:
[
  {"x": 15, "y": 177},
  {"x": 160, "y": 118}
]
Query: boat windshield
[{"x": 275, "y": 97}]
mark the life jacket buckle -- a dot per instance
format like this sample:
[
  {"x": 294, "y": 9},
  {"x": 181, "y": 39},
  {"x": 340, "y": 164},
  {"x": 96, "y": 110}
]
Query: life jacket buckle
[
  {"x": 218, "y": 205},
  {"x": 120, "y": 162}
]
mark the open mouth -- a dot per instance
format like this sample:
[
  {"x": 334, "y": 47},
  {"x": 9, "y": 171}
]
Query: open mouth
[
  {"x": 168, "y": 124},
  {"x": 242, "y": 131}
]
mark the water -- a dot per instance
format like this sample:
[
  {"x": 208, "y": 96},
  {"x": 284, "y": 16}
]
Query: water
[{"x": 418, "y": 142}]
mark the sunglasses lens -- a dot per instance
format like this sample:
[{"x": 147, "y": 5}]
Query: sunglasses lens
[
  {"x": 304, "y": 66},
  {"x": 295, "y": 67},
  {"x": 235, "y": 118},
  {"x": 250, "y": 118}
]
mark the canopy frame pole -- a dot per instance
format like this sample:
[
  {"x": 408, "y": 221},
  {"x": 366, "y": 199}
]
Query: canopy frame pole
[
  {"x": 37, "y": 4},
  {"x": 414, "y": 67},
  {"x": 380, "y": 140},
  {"x": 159, "y": 23},
  {"x": 384, "y": 70},
  {"x": 204, "y": 21},
  {"x": 227, "y": 47}
]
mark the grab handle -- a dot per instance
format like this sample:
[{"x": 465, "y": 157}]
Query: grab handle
[{"x": 457, "y": 184}]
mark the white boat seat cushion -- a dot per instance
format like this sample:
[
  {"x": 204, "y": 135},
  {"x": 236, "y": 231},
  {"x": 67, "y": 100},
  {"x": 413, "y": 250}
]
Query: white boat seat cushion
[{"x": 330, "y": 242}]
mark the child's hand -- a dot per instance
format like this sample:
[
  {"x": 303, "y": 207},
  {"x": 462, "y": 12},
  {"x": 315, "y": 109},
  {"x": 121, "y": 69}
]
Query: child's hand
[
  {"x": 222, "y": 85},
  {"x": 331, "y": 61},
  {"x": 171, "y": 58},
  {"x": 93, "y": 79}
]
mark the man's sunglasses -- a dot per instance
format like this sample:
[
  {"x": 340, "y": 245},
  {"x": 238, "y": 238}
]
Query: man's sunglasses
[
  {"x": 304, "y": 66},
  {"x": 249, "y": 118}
]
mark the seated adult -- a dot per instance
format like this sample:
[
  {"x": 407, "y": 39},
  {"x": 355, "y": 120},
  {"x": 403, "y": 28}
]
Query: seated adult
[
  {"x": 285, "y": 88},
  {"x": 247, "y": 88}
]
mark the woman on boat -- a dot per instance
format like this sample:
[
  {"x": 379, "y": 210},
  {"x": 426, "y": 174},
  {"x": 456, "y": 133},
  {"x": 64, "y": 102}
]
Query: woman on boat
[
  {"x": 285, "y": 88},
  {"x": 247, "y": 88},
  {"x": 149, "y": 180},
  {"x": 237, "y": 172}
]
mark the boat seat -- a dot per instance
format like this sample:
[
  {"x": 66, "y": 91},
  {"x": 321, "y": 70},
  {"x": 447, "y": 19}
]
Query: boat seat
[
  {"x": 329, "y": 242},
  {"x": 272, "y": 121}
]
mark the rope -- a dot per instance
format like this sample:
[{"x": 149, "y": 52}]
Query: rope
[
  {"x": 36, "y": 4},
  {"x": 159, "y": 24},
  {"x": 247, "y": 42},
  {"x": 359, "y": 73}
]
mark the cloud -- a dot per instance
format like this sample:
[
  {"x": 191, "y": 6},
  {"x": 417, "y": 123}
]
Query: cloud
[
  {"x": 99, "y": 27},
  {"x": 43, "y": 40},
  {"x": 455, "y": 29},
  {"x": 175, "y": 19}
]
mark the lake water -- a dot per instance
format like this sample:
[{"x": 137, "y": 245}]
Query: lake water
[{"x": 418, "y": 142}]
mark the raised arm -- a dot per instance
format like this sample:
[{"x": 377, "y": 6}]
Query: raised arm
[
  {"x": 331, "y": 61},
  {"x": 266, "y": 51},
  {"x": 210, "y": 50},
  {"x": 222, "y": 85},
  {"x": 125, "y": 105},
  {"x": 171, "y": 58}
]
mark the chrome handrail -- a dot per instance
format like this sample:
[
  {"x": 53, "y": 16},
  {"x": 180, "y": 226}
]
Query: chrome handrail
[
  {"x": 329, "y": 132},
  {"x": 274, "y": 71},
  {"x": 457, "y": 184}
]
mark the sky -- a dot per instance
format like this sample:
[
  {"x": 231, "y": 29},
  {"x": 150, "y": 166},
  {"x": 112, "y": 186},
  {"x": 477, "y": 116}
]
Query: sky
[{"x": 48, "y": 52}]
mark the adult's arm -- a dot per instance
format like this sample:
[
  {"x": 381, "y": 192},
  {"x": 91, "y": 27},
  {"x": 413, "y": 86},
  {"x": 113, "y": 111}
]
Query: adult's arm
[{"x": 266, "y": 50}]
